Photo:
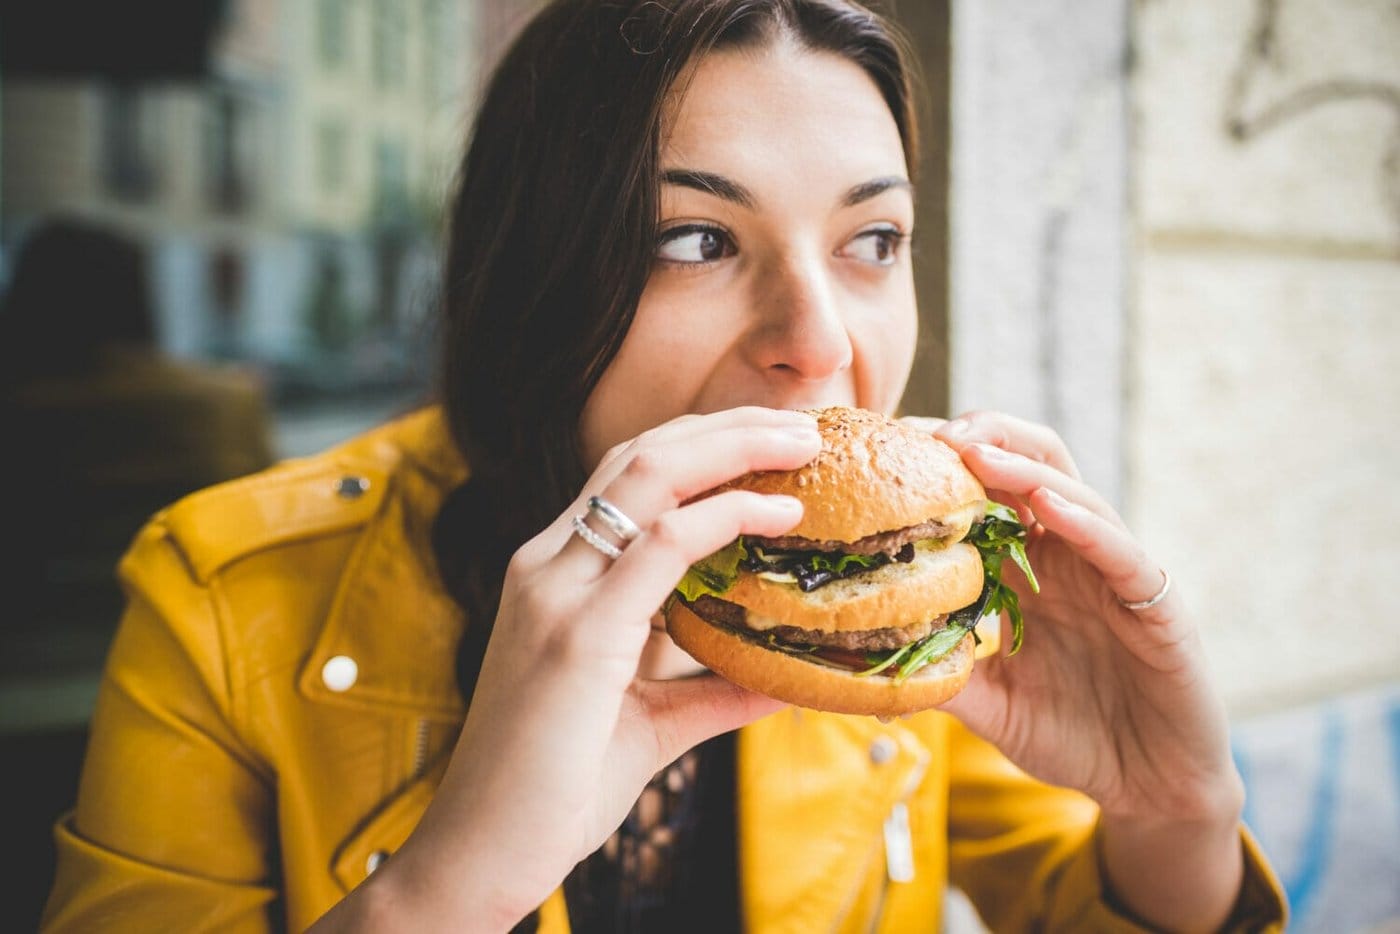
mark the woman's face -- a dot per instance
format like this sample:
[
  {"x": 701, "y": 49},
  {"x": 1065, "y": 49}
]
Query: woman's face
[{"x": 782, "y": 274}]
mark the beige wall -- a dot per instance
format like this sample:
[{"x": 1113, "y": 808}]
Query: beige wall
[
  {"x": 1175, "y": 236},
  {"x": 1038, "y": 219},
  {"x": 1263, "y": 425}
]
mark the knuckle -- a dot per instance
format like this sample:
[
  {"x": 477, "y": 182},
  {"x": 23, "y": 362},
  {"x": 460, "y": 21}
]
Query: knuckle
[
  {"x": 667, "y": 531},
  {"x": 647, "y": 466},
  {"x": 537, "y": 601},
  {"x": 570, "y": 643},
  {"x": 522, "y": 561},
  {"x": 1124, "y": 577}
]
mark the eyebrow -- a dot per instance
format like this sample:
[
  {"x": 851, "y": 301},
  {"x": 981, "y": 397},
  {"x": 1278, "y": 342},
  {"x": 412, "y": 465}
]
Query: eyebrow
[
  {"x": 732, "y": 191},
  {"x": 711, "y": 183},
  {"x": 876, "y": 186}
]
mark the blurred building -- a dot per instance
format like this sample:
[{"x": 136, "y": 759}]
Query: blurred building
[
  {"x": 375, "y": 118},
  {"x": 290, "y": 197}
]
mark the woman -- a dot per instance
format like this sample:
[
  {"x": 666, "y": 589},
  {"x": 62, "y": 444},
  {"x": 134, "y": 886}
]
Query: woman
[{"x": 676, "y": 222}]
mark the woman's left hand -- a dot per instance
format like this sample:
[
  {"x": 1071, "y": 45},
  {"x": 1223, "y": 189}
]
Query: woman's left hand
[{"x": 1111, "y": 701}]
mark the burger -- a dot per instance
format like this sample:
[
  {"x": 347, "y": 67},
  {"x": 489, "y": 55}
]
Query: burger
[{"x": 871, "y": 604}]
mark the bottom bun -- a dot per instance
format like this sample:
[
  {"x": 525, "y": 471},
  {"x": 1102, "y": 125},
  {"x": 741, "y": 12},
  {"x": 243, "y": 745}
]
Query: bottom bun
[{"x": 796, "y": 680}]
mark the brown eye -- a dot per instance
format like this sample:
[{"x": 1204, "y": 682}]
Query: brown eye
[
  {"x": 879, "y": 247},
  {"x": 694, "y": 244}
]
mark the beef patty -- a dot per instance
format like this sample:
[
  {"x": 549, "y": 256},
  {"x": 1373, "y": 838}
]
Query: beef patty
[
  {"x": 886, "y": 542},
  {"x": 715, "y": 610}
]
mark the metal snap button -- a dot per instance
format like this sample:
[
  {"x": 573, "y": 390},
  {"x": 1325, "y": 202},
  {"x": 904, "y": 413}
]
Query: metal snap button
[
  {"x": 882, "y": 750},
  {"x": 350, "y": 487},
  {"x": 375, "y": 860},
  {"x": 340, "y": 673}
]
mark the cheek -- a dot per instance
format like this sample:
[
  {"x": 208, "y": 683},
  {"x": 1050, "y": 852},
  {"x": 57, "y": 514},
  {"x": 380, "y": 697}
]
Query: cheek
[
  {"x": 657, "y": 375},
  {"x": 885, "y": 346}
]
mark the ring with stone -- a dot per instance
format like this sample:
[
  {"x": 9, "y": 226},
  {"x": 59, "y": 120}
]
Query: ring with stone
[{"x": 583, "y": 531}]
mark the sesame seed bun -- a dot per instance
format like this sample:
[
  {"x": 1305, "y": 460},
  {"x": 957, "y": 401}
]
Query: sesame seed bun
[
  {"x": 878, "y": 485},
  {"x": 874, "y": 474}
]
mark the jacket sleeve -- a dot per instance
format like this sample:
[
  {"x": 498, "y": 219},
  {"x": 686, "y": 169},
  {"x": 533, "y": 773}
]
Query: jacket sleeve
[
  {"x": 1026, "y": 853},
  {"x": 173, "y": 828}
]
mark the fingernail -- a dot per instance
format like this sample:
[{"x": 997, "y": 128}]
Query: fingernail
[
  {"x": 992, "y": 452},
  {"x": 806, "y": 433},
  {"x": 1056, "y": 499},
  {"x": 785, "y": 503}
]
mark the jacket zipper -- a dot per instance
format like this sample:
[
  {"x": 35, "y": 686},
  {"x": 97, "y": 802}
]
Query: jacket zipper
[
  {"x": 420, "y": 749},
  {"x": 899, "y": 841}
]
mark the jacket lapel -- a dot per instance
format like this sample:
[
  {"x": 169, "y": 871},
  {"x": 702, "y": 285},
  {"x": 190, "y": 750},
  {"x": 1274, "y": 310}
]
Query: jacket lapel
[{"x": 390, "y": 613}]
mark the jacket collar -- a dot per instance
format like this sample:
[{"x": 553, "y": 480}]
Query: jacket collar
[{"x": 390, "y": 613}]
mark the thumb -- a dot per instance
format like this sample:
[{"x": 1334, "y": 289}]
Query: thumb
[
  {"x": 688, "y": 711},
  {"x": 975, "y": 706}
]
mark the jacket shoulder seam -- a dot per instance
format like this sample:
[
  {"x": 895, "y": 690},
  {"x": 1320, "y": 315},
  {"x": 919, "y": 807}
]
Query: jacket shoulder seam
[{"x": 293, "y": 502}]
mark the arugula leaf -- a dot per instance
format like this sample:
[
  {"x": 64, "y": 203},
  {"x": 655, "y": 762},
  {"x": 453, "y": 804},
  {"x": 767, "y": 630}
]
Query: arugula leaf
[
  {"x": 878, "y": 665},
  {"x": 931, "y": 649},
  {"x": 998, "y": 536},
  {"x": 715, "y": 574}
]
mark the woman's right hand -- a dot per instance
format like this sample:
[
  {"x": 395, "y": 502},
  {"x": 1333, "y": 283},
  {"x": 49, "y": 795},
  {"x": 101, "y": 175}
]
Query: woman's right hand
[{"x": 561, "y": 735}]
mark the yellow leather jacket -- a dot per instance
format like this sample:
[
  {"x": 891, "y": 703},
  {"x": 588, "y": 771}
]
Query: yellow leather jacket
[{"x": 279, "y": 704}]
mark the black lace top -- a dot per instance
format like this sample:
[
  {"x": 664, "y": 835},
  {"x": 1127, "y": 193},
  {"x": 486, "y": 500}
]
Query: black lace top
[{"x": 672, "y": 866}]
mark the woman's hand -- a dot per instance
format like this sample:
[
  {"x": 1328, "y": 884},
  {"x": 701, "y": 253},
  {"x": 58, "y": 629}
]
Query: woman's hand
[
  {"x": 561, "y": 735},
  {"x": 1112, "y": 701}
]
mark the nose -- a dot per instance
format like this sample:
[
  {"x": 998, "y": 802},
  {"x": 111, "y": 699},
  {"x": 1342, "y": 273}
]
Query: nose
[{"x": 801, "y": 330}]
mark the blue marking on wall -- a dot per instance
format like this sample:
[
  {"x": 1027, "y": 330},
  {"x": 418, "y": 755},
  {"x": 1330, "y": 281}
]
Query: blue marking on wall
[
  {"x": 1392, "y": 722},
  {"x": 1303, "y": 884}
]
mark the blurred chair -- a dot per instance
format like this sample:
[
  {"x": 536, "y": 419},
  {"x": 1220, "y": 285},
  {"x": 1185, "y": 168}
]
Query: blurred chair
[{"x": 99, "y": 430}]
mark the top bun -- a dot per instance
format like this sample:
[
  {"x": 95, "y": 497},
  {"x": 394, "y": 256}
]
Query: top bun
[{"x": 874, "y": 474}]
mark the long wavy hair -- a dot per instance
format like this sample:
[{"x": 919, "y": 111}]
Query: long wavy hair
[{"x": 553, "y": 235}]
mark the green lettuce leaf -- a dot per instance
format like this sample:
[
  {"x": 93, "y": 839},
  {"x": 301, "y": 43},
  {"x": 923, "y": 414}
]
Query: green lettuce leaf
[{"x": 713, "y": 575}]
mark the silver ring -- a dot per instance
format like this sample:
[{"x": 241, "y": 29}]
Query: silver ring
[
  {"x": 617, "y": 523},
  {"x": 582, "y": 530},
  {"x": 1153, "y": 600}
]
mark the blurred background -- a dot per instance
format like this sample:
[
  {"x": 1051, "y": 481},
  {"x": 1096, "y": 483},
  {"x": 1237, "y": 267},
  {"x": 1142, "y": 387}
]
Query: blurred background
[{"x": 1168, "y": 228}]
